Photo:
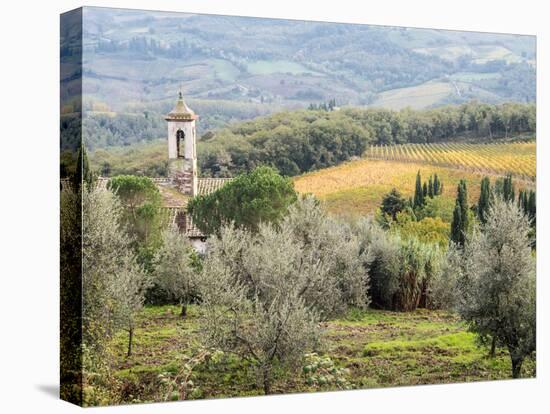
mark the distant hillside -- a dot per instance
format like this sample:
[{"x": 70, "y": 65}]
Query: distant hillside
[
  {"x": 296, "y": 142},
  {"x": 235, "y": 68}
]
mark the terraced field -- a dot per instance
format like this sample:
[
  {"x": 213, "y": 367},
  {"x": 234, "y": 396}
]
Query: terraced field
[{"x": 518, "y": 159}]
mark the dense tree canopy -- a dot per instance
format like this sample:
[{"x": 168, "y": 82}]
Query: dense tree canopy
[
  {"x": 141, "y": 200},
  {"x": 301, "y": 141},
  {"x": 393, "y": 203},
  {"x": 247, "y": 201}
]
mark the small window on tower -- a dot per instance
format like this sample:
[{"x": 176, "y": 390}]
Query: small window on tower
[{"x": 180, "y": 142}]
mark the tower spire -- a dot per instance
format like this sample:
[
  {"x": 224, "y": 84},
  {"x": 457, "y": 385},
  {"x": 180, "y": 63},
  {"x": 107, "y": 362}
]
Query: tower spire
[
  {"x": 182, "y": 146},
  {"x": 181, "y": 111}
]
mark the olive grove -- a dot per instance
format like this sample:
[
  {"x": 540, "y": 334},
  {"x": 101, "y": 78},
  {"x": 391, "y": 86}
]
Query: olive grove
[{"x": 264, "y": 294}]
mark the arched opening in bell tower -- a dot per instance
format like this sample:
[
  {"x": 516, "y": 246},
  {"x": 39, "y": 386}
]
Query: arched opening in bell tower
[{"x": 180, "y": 143}]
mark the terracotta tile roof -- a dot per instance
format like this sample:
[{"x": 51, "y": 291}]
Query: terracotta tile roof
[
  {"x": 177, "y": 215},
  {"x": 183, "y": 220},
  {"x": 190, "y": 229},
  {"x": 209, "y": 185}
]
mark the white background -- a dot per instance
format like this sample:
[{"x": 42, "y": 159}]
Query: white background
[{"x": 29, "y": 141}]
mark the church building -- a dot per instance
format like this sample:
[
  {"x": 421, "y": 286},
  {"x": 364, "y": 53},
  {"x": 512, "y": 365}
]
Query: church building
[
  {"x": 183, "y": 173},
  {"x": 182, "y": 156}
]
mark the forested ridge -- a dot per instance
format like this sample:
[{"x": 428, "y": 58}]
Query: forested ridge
[
  {"x": 302, "y": 141},
  {"x": 295, "y": 142}
]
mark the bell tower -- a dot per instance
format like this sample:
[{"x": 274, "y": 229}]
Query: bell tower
[{"x": 182, "y": 143}]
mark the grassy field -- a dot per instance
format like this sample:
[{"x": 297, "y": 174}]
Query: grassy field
[
  {"x": 416, "y": 97},
  {"x": 479, "y": 53},
  {"x": 357, "y": 187},
  {"x": 267, "y": 67},
  {"x": 225, "y": 70},
  {"x": 378, "y": 348},
  {"x": 474, "y": 76},
  {"x": 518, "y": 159}
]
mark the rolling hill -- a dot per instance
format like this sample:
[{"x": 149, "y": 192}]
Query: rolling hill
[
  {"x": 235, "y": 68},
  {"x": 150, "y": 54}
]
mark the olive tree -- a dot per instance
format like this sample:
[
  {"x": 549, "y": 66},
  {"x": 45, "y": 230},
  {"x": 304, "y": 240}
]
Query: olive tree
[
  {"x": 342, "y": 278},
  {"x": 498, "y": 283},
  {"x": 70, "y": 303},
  {"x": 175, "y": 268},
  {"x": 402, "y": 269},
  {"x": 128, "y": 294},
  {"x": 113, "y": 283},
  {"x": 444, "y": 286},
  {"x": 383, "y": 263},
  {"x": 264, "y": 293},
  {"x": 141, "y": 201}
]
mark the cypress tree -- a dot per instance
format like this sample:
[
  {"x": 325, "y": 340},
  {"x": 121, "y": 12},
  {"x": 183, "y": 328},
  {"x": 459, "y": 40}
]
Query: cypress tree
[
  {"x": 508, "y": 192},
  {"x": 424, "y": 191},
  {"x": 418, "y": 193},
  {"x": 463, "y": 198},
  {"x": 523, "y": 201},
  {"x": 521, "y": 205},
  {"x": 460, "y": 223},
  {"x": 532, "y": 207},
  {"x": 430, "y": 188},
  {"x": 83, "y": 172},
  {"x": 484, "y": 199},
  {"x": 456, "y": 225},
  {"x": 437, "y": 185}
]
